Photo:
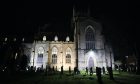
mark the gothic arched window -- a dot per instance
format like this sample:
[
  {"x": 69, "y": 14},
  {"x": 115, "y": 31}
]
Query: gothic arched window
[
  {"x": 54, "y": 55},
  {"x": 68, "y": 58},
  {"x": 89, "y": 37},
  {"x": 54, "y": 58},
  {"x": 40, "y": 55},
  {"x": 68, "y": 55}
]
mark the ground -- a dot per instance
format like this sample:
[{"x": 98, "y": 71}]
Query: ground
[{"x": 42, "y": 78}]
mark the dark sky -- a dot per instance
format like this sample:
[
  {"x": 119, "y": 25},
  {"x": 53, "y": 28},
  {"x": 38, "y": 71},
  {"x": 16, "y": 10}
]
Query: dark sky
[
  {"x": 118, "y": 19},
  {"x": 31, "y": 15}
]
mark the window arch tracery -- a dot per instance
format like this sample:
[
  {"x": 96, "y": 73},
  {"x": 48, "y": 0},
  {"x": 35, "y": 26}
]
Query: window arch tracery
[
  {"x": 89, "y": 38},
  {"x": 54, "y": 55},
  {"x": 68, "y": 55}
]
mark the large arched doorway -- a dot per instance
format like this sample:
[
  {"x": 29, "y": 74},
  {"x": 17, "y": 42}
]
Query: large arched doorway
[
  {"x": 90, "y": 58},
  {"x": 90, "y": 62}
]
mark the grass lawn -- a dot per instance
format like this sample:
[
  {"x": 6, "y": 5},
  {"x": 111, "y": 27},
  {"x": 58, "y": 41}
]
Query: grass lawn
[{"x": 41, "y": 78}]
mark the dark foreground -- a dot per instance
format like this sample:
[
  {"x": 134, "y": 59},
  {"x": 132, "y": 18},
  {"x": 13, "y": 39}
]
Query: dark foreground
[{"x": 42, "y": 78}]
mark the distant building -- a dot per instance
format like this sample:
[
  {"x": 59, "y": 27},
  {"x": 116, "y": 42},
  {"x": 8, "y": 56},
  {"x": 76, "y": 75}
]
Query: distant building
[
  {"x": 89, "y": 48},
  {"x": 131, "y": 59}
]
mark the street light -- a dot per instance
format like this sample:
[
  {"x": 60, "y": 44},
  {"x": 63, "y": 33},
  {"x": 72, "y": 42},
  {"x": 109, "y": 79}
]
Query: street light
[
  {"x": 127, "y": 62},
  {"x": 126, "y": 59}
]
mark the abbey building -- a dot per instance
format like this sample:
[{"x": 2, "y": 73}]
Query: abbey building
[{"x": 89, "y": 48}]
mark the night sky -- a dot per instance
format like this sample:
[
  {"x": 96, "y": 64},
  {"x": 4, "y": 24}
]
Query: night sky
[{"x": 118, "y": 18}]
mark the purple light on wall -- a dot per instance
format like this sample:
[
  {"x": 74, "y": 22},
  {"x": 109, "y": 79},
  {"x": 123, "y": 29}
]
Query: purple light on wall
[{"x": 90, "y": 62}]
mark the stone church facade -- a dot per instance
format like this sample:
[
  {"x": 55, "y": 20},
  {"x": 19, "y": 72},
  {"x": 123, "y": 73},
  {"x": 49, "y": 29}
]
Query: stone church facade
[
  {"x": 89, "y": 48},
  {"x": 52, "y": 53}
]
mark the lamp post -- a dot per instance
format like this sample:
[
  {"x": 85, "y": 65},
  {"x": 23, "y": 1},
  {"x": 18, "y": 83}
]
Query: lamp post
[
  {"x": 62, "y": 58},
  {"x": 127, "y": 62},
  {"x": 34, "y": 54}
]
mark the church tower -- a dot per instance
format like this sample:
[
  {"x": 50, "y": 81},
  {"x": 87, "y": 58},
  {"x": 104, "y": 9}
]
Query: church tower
[{"x": 89, "y": 42}]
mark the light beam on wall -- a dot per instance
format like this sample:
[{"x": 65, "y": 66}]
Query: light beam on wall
[{"x": 91, "y": 55}]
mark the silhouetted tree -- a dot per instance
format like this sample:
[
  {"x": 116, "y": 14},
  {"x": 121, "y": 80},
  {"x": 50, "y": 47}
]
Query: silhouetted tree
[{"x": 23, "y": 63}]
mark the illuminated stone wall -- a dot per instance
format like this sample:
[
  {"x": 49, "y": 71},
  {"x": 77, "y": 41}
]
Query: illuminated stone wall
[
  {"x": 62, "y": 46},
  {"x": 37, "y": 46},
  {"x": 32, "y": 50},
  {"x": 99, "y": 53}
]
